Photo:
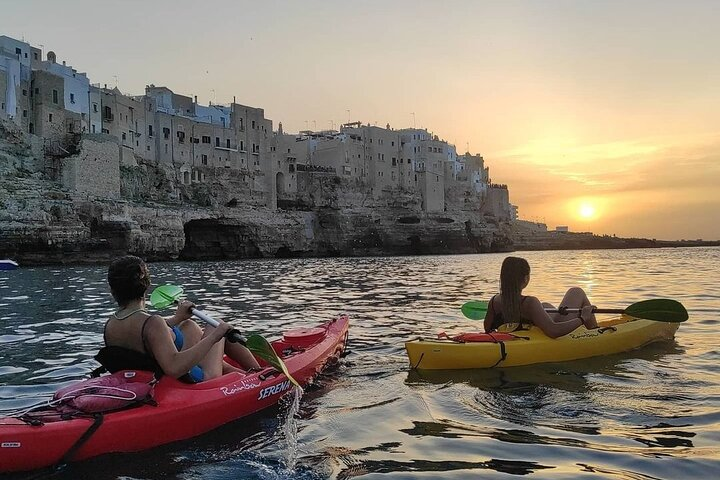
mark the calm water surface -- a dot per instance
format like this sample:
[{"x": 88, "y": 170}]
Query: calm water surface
[{"x": 653, "y": 413}]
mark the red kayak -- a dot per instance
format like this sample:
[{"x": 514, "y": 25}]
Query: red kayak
[{"x": 178, "y": 410}]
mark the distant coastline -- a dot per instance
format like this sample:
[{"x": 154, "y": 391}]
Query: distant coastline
[{"x": 535, "y": 236}]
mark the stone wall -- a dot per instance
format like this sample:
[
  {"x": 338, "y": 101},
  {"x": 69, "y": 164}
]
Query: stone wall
[{"x": 95, "y": 171}]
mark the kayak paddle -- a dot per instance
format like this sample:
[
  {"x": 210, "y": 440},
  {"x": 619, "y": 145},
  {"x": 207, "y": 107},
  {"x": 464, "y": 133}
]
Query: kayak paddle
[
  {"x": 657, "y": 309},
  {"x": 165, "y": 295}
]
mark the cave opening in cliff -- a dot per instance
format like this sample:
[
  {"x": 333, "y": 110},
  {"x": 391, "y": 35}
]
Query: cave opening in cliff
[{"x": 217, "y": 239}]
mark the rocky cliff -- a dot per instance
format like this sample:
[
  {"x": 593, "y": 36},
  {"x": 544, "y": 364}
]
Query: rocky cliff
[{"x": 45, "y": 220}]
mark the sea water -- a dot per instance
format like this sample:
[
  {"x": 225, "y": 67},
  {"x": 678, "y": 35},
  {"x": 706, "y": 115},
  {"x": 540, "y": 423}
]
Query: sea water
[{"x": 652, "y": 413}]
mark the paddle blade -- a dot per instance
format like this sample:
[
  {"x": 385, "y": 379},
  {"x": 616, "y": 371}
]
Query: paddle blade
[
  {"x": 475, "y": 309},
  {"x": 262, "y": 348},
  {"x": 658, "y": 309},
  {"x": 165, "y": 295}
]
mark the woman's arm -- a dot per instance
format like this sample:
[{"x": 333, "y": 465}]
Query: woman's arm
[
  {"x": 553, "y": 329},
  {"x": 182, "y": 313},
  {"x": 175, "y": 363}
]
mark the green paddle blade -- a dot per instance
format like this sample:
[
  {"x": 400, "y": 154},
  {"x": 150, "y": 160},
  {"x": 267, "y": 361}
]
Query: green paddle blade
[
  {"x": 475, "y": 309},
  {"x": 658, "y": 309},
  {"x": 165, "y": 295},
  {"x": 260, "y": 347}
]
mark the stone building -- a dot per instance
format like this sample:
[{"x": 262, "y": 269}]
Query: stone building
[
  {"x": 231, "y": 144},
  {"x": 16, "y": 60}
]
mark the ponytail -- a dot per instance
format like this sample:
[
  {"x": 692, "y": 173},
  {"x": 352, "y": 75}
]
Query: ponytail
[{"x": 512, "y": 275}]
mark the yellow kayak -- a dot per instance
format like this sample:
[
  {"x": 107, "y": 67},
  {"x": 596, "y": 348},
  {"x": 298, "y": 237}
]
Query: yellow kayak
[{"x": 619, "y": 334}]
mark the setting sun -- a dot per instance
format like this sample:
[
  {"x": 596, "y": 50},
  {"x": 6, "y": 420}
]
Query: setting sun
[{"x": 587, "y": 211}]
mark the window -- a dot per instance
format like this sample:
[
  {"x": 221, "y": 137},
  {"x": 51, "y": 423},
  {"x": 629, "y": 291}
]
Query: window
[
  {"x": 105, "y": 130},
  {"x": 93, "y": 129},
  {"x": 181, "y": 137},
  {"x": 206, "y": 139},
  {"x": 394, "y": 161},
  {"x": 217, "y": 141},
  {"x": 124, "y": 137},
  {"x": 37, "y": 91},
  {"x": 18, "y": 51},
  {"x": 150, "y": 131},
  {"x": 55, "y": 96},
  {"x": 227, "y": 143},
  {"x": 95, "y": 109},
  {"x": 148, "y": 148},
  {"x": 35, "y": 55},
  {"x": 166, "y": 132},
  {"x": 31, "y": 128},
  {"x": 72, "y": 98},
  {"x": 242, "y": 145},
  {"x": 253, "y": 124},
  {"x": 50, "y": 117},
  {"x": 24, "y": 113},
  {"x": 204, "y": 159},
  {"x": 291, "y": 167},
  {"x": 24, "y": 93}
]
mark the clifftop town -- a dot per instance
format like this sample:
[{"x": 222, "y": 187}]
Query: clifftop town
[{"x": 87, "y": 172}]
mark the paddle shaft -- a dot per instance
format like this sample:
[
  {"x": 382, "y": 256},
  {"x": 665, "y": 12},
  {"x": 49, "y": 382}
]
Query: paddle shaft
[
  {"x": 232, "y": 335},
  {"x": 565, "y": 311}
]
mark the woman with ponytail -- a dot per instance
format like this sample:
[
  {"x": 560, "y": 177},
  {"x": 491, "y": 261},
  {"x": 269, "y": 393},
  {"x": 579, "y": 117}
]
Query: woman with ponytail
[{"x": 511, "y": 306}]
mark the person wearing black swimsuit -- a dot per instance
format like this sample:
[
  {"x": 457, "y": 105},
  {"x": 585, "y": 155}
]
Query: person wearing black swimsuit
[
  {"x": 510, "y": 306},
  {"x": 177, "y": 344}
]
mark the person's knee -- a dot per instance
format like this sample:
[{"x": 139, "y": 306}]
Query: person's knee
[
  {"x": 575, "y": 291},
  {"x": 192, "y": 331}
]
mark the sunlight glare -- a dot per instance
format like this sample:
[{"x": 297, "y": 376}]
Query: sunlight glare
[{"x": 587, "y": 211}]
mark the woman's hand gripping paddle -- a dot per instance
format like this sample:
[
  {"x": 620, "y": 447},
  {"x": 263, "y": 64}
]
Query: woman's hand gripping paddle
[
  {"x": 166, "y": 295},
  {"x": 657, "y": 309}
]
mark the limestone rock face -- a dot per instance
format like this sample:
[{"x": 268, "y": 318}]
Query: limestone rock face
[{"x": 151, "y": 214}]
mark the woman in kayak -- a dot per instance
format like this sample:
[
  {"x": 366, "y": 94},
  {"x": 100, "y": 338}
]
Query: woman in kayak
[
  {"x": 177, "y": 344},
  {"x": 511, "y": 306}
]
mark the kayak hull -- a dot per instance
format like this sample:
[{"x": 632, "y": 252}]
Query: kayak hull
[
  {"x": 617, "y": 335},
  {"x": 8, "y": 265},
  {"x": 183, "y": 410}
]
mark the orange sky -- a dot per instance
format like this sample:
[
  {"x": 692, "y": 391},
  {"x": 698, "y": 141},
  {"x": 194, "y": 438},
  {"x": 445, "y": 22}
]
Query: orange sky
[{"x": 614, "y": 105}]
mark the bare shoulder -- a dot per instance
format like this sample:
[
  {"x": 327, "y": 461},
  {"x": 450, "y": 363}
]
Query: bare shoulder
[
  {"x": 531, "y": 301},
  {"x": 155, "y": 323}
]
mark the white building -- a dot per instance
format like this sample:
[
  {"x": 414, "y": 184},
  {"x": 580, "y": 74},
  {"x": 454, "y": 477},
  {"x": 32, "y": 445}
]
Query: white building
[
  {"x": 76, "y": 87},
  {"x": 15, "y": 61}
]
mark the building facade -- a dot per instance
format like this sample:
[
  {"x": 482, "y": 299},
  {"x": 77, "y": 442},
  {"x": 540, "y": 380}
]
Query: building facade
[{"x": 202, "y": 142}]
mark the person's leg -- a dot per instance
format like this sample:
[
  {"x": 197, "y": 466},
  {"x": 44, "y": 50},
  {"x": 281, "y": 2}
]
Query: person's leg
[
  {"x": 577, "y": 298},
  {"x": 212, "y": 363},
  {"x": 241, "y": 355}
]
